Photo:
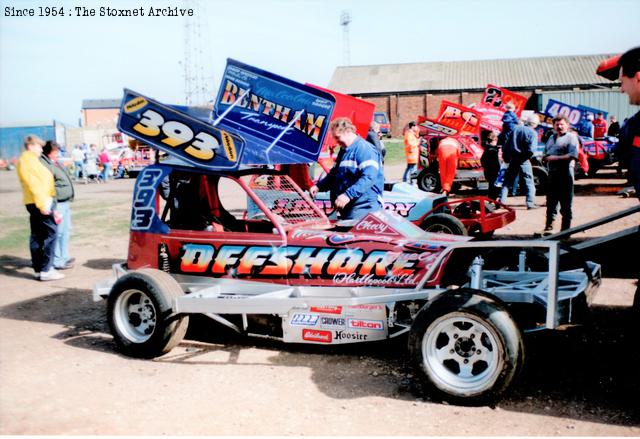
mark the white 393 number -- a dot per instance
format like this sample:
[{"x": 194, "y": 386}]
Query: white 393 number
[{"x": 202, "y": 146}]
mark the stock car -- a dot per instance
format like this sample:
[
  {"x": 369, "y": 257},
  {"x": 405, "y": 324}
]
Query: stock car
[
  {"x": 213, "y": 232},
  {"x": 479, "y": 216}
]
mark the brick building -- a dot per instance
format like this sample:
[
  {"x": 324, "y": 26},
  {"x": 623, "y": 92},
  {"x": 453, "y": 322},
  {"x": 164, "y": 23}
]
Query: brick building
[
  {"x": 100, "y": 113},
  {"x": 404, "y": 91}
]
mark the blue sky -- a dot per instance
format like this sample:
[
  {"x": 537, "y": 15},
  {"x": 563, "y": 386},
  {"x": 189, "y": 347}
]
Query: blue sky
[{"x": 48, "y": 65}]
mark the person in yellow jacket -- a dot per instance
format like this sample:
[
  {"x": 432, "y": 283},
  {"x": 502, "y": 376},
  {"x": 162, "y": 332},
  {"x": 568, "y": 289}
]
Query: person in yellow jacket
[
  {"x": 38, "y": 195},
  {"x": 411, "y": 150}
]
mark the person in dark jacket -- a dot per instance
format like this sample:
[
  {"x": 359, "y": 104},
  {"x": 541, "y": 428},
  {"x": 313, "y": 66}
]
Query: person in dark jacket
[
  {"x": 490, "y": 161},
  {"x": 614, "y": 127},
  {"x": 509, "y": 121},
  {"x": 519, "y": 148},
  {"x": 64, "y": 196},
  {"x": 356, "y": 181},
  {"x": 373, "y": 137},
  {"x": 629, "y": 145}
]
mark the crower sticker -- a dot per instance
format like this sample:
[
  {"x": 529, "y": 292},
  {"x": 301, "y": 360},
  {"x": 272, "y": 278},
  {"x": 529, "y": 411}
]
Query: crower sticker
[
  {"x": 342, "y": 266},
  {"x": 332, "y": 322},
  {"x": 317, "y": 335},
  {"x": 143, "y": 211}
]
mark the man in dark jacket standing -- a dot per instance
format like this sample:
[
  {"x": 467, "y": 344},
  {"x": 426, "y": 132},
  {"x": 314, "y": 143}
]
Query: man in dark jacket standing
[
  {"x": 64, "y": 196},
  {"x": 519, "y": 149}
]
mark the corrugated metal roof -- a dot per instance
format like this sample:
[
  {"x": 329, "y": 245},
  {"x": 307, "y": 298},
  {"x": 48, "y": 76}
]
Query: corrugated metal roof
[
  {"x": 543, "y": 72},
  {"x": 92, "y": 104}
]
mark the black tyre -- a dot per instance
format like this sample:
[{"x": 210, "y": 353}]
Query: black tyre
[
  {"x": 429, "y": 181},
  {"x": 636, "y": 300},
  {"x": 443, "y": 223},
  {"x": 466, "y": 347},
  {"x": 540, "y": 179},
  {"x": 140, "y": 315}
]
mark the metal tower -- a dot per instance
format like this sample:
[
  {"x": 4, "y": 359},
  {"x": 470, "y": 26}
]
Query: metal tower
[
  {"x": 197, "y": 63},
  {"x": 345, "y": 19}
]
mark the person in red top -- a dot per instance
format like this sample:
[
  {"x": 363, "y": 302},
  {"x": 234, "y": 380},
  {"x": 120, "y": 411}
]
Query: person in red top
[
  {"x": 448, "y": 152},
  {"x": 411, "y": 150},
  {"x": 599, "y": 126},
  {"x": 105, "y": 162}
]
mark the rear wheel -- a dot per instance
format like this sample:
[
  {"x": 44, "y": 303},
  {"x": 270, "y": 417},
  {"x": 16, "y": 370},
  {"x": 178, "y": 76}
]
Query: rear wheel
[
  {"x": 466, "y": 346},
  {"x": 140, "y": 314},
  {"x": 429, "y": 181},
  {"x": 443, "y": 223}
]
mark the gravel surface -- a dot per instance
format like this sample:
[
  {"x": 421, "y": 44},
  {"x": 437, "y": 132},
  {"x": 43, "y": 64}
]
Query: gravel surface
[{"x": 60, "y": 372}]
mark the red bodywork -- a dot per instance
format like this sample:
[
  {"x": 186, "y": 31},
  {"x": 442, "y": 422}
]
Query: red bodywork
[{"x": 292, "y": 243}]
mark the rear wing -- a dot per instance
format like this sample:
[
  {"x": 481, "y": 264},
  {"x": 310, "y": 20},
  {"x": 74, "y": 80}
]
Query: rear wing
[{"x": 259, "y": 118}]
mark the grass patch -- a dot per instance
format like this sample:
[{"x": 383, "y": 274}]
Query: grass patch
[
  {"x": 15, "y": 239},
  {"x": 395, "y": 151}
]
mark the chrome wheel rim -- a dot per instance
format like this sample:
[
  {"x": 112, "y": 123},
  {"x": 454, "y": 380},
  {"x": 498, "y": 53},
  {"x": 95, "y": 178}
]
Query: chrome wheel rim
[
  {"x": 462, "y": 354},
  {"x": 135, "y": 316}
]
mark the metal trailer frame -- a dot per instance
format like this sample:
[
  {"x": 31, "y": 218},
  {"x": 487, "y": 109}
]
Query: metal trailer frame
[{"x": 213, "y": 297}]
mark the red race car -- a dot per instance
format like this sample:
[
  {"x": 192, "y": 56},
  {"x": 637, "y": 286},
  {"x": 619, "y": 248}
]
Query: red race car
[{"x": 264, "y": 260}]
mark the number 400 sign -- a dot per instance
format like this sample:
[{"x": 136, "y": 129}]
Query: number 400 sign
[{"x": 572, "y": 113}]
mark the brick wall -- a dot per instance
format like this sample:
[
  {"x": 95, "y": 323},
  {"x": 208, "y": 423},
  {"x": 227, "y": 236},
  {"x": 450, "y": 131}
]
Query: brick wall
[
  {"x": 404, "y": 108},
  {"x": 100, "y": 117}
]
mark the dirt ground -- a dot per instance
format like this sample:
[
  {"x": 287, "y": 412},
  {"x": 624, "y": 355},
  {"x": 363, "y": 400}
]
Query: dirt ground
[{"x": 60, "y": 372}]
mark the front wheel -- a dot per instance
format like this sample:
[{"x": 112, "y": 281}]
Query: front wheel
[
  {"x": 429, "y": 181},
  {"x": 466, "y": 346},
  {"x": 140, "y": 315}
]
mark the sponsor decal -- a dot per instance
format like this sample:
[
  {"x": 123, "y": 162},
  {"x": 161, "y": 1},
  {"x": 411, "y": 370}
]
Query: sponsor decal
[
  {"x": 342, "y": 265},
  {"x": 464, "y": 119},
  {"x": 326, "y": 309},
  {"x": 304, "y": 320},
  {"x": 286, "y": 207},
  {"x": 344, "y": 335},
  {"x": 135, "y": 104},
  {"x": 254, "y": 103},
  {"x": 369, "y": 307},
  {"x": 373, "y": 325},
  {"x": 401, "y": 209},
  {"x": 317, "y": 335},
  {"x": 436, "y": 127},
  {"x": 332, "y": 322},
  {"x": 492, "y": 106},
  {"x": 574, "y": 114}
]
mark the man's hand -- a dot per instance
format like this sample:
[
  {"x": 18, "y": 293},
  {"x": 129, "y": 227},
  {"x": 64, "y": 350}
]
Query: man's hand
[
  {"x": 313, "y": 191},
  {"x": 342, "y": 201},
  {"x": 45, "y": 211}
]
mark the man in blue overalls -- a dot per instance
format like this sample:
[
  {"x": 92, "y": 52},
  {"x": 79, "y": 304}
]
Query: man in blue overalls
[{"x": 356, "y": 181}]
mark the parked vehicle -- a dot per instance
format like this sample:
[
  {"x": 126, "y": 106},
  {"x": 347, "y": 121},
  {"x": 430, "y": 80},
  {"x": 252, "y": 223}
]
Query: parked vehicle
[
  {"x": 245, "y": 246},
  {"x": 382, "y": 120},
  {"x": 477, "y": 216}
]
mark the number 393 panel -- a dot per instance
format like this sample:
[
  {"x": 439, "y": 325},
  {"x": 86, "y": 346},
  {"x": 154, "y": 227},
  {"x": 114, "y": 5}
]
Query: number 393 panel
[{"x": 178, "y": 134}]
